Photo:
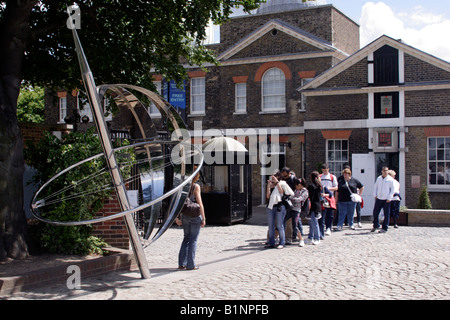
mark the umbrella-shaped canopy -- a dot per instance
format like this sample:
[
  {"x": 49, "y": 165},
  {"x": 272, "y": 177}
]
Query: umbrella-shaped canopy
[{"x": 221, "y": 144}]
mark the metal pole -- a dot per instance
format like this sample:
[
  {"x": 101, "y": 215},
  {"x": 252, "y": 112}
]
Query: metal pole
[{"x": 111, "y": 160}]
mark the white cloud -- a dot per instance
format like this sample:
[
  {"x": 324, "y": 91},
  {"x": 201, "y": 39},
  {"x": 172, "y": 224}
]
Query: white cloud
[
  {"x": 419, "y": 17},
  {"x": 421, "y": 29}
]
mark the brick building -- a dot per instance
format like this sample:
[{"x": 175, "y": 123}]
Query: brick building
[
  {"x": 280, "y": 48},
  {"x": 387, "y": 104},
  {"x": 264, "y": 58},
  {"x": 296, "y": 72}
]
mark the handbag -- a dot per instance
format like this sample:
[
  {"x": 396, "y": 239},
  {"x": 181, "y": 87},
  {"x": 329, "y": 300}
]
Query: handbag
[
  {"x": 306, "y": 207},
  {"x": 286, "y": 200},
  {"x": 354, "y": 196},
  {"x": 190, "y": 208},
  {"x": 331, "y": 202},
  {"x": 325, "y": 203}
]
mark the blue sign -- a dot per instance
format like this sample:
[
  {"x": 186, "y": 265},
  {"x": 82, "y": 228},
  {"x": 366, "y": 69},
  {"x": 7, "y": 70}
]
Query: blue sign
[{"x": 177, "y": 97}]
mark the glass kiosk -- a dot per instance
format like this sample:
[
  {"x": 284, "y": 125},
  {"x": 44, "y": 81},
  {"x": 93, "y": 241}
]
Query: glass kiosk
[{"x": 226, "y": 190}]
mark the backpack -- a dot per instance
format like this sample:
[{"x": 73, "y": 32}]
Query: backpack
[{"x": 305, "y": 213}]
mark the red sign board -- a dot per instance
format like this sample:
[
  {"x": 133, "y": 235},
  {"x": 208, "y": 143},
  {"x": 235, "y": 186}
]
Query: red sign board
[{"x": 384, "y": 139}]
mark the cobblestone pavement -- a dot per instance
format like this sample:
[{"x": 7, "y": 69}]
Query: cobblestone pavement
[{"x": 405, "y": 263}]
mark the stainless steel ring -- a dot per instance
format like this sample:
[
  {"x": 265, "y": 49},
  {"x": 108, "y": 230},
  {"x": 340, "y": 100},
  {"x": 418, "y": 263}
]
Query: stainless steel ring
[{"x": 35, "y": 204}]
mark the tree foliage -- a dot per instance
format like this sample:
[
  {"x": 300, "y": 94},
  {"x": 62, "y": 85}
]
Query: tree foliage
[
  {"x": 49, "y": 157},
  {"x": 30, "y": 105},
  {"x": 78, "y": 194},
  {"x": 123, "y": 40}
]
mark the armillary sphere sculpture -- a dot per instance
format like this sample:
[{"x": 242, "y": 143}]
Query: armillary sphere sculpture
[{"x": 156, "y": 174}]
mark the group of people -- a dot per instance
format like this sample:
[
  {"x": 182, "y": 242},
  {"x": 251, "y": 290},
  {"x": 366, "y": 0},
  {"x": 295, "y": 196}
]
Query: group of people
[{"x": 292, "y": 198}]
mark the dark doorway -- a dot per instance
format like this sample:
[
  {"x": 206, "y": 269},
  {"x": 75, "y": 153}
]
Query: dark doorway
[{"x": 390, "y": 160}]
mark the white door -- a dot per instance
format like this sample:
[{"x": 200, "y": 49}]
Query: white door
[{"x": 363, "y": 169}]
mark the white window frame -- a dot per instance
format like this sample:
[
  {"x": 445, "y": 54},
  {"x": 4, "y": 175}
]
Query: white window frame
[
  {"x": 443, "y": 161},
  {"x": 62, "y": 105},
  {"x": 277, "y": 93},
  {"x": 240, "y": 98},
  {"x": 337, "y": 160},
  {"x": 152, "y": 109},
  {"x": 197, "y": 97},
  {"x": 304, "y": 82},
  {"x": 86, "y": 111}
]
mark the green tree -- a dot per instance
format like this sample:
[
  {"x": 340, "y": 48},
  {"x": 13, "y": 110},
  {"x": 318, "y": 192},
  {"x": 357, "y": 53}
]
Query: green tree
[
  {"x": 50, "y": 156},
  {"x": 75, "y": 195},
  {"x": 424, "y": 199},
  {"x": 123, "y": 41},
  {"x": 30, "y": 105}
]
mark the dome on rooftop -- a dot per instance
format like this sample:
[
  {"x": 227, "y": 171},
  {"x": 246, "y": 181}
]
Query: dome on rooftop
[{"x": 272, "y": 6}]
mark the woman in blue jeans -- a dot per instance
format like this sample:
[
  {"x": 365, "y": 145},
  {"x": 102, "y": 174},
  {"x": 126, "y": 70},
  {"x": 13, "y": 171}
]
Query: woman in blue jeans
[
  {"x": 191, "y": 230},
  {"x": 315, "y": 190},
  {"x": 276, "y": 211},
  {"x": 345, "y": 204}
]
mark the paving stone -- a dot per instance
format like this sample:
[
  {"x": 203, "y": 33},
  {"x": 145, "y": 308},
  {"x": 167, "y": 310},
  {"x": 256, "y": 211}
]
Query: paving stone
[{"x": 405, "y": 263}]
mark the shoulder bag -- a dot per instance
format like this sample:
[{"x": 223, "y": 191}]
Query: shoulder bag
[
  {"x": 354, "y": 196},
  {"x": 190, "y": 207}
]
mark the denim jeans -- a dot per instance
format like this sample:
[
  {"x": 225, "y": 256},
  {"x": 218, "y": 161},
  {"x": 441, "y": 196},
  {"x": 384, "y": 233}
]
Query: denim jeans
[
  {"x": 275, "y": 216},
  {"x": 358, "y": 212},
  {"x": 386, "y": 206},
  {"x": 295, "y": 215},
  {"x": 346, "y": 209},
  {"x": 191, "y": 228},
  {"x": 395, "y": 210},
  {"x": 327, "y": 216},
  {"x": 314, "y": 232}
]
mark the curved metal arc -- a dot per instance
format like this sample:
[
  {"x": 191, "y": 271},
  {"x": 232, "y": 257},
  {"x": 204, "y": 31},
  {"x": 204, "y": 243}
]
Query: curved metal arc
[
  {"x": 125, "y": 98},
  {"x": 35, "y": 204},
  {"x": 164, "y": 107}
]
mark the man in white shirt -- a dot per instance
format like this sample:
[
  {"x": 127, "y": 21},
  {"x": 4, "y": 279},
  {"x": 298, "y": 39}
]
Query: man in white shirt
[{"x": 383, "y": 192}]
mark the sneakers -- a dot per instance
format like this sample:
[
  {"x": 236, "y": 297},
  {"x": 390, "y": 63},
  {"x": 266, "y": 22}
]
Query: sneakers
[
  {"x": 280, "y": 246},
  {"x": 328, "y": 232},
  {"x": 301, "y": 243},
  {"x": 359, "y": 225},
  {"x": 194, "y": 268},
  {"x": 382, "y": 231},
  {"x": 374, "y": 229},
  {"x": 315, "y": 242}
]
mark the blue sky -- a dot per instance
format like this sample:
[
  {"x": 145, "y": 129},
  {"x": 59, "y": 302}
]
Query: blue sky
[
  {"x": 353, "y": 8},
  {"x": 424, "y": 25}
]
